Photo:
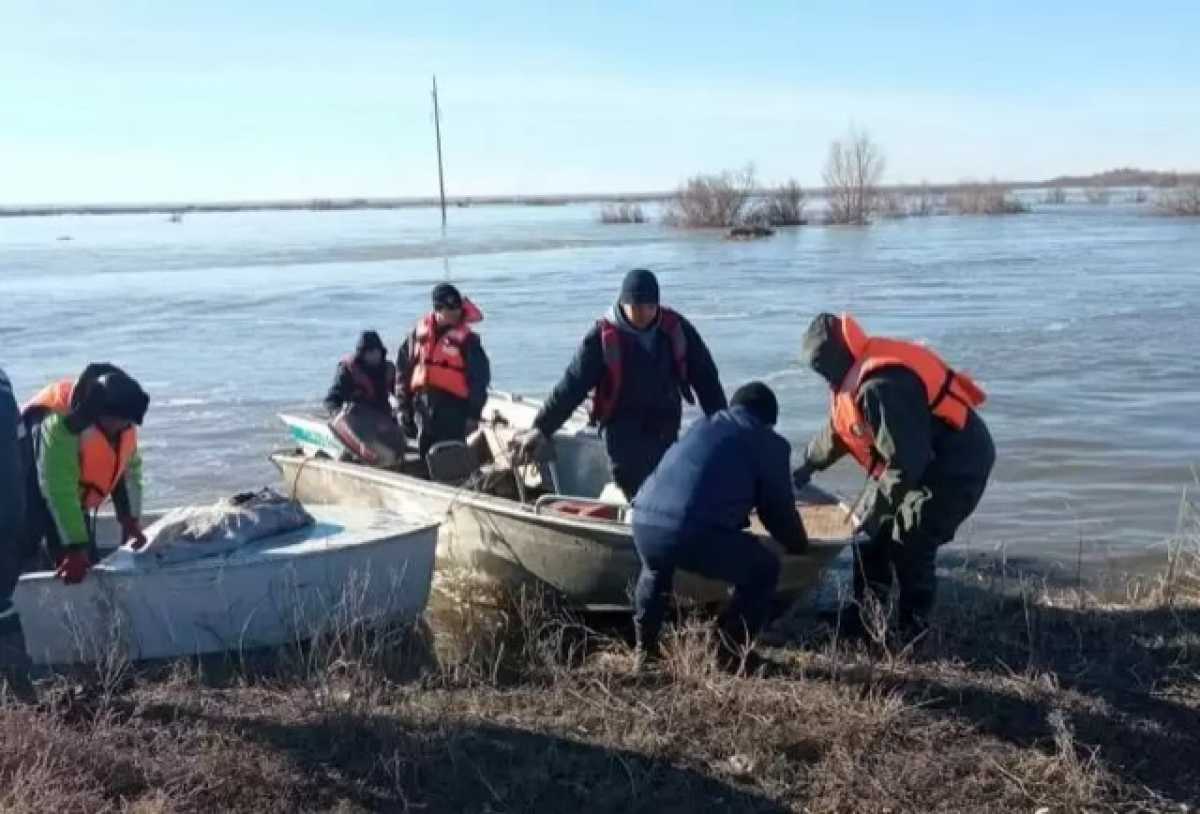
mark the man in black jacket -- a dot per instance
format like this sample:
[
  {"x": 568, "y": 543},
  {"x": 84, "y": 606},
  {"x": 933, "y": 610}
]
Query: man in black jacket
[
  {"x": 12, "y": 520},
  {"x": 367, "y": 377},
  {"x": 927, "y": 452},
  {"x": 692, "y": 514},
  {"x": 640, "y": 362}
]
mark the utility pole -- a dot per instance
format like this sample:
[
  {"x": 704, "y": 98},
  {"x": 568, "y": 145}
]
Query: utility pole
[{"x": 437, "y": 129}]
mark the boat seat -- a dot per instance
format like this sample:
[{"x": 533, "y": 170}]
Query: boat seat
[
  {"x": 581, "y": 507},
  {"x": 452, "y": 462}
]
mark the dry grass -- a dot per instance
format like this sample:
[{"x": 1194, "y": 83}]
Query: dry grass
[
  {"x": 1023, "y": 696},
  {"x": 781, "y": 206}
]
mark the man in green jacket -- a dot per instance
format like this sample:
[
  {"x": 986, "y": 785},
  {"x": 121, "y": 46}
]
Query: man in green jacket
[{"x": 84, "y": 445}]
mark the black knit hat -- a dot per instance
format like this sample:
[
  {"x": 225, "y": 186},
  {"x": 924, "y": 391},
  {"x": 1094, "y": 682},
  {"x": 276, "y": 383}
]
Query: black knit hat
[
  {"x": 759, "y": 401},
  {"x": 446, "y": 295},
  {"x": 823, "y": 350},
  {"x": 369, "y": 340},
  {"x": 640, "y": 287}
]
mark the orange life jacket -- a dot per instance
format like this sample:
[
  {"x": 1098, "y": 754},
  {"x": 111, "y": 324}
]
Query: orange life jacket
[
  {"x": 439, "y": 362},
  {"x": 952, "y": 395},
  {"x": 608, "y": 392},
  {"x": 101, "y": 465}
]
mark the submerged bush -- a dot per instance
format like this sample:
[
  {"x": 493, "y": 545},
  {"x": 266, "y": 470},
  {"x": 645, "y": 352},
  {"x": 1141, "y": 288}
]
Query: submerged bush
[
  {"x": 984, "y": 199},
  {"x": 711, "y": 201},
  {"x": 781, "y": 206},
  {"x": 1182, "y": 201},
  {"x": 622, "y": 213}
]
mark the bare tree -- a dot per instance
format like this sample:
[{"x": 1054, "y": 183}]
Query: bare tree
[
  {"x": 711, "y": 200},
  {"x": 852, "y": 174},
  {"x": 993, "y": 198},
  {"x": 626, "y": 212}
]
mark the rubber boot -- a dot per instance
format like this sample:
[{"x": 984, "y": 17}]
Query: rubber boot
[
  {"x": 645, "y": 652},
  {"x": 14, "y": 662}
]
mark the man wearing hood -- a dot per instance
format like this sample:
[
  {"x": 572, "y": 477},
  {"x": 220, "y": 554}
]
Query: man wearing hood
[
  {"x": 367, "y": 377},
  {"x": 84, "y": 450},
  {"x": 640, "y": 362},
  {"x": 444, "y": 385},
  {"x": 693, "y": 511},
  {"x": 12, "y": 521},
  {"x": 910, "y": 421}
]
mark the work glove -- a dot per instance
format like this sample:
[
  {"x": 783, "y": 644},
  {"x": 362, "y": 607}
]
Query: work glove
[
  {"x": 73, "y": 566},
  {"x": 529, "y": 445},
  {"x": 131, "y": 532},
  {"x": 801, "y": 477}
]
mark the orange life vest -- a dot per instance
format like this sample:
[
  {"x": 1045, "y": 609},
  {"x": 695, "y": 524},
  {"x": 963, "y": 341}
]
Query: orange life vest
[
  {"x": 439, "y": 362},
  {"x": 952, "y": 395},
  {"x": 101, "y": 465},
  {"x": 608, "y": 392}
]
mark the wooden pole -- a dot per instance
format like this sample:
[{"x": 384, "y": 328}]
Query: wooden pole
[{"x": 437, "y": 129}]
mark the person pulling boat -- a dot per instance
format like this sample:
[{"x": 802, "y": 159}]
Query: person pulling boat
[
  {"x": 83, "y": 444},
  {"x": 639, "y": 362}
]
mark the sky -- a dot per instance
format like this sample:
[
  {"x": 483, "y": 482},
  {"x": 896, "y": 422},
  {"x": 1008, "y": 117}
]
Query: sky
[{"x": 105, "y": 101}]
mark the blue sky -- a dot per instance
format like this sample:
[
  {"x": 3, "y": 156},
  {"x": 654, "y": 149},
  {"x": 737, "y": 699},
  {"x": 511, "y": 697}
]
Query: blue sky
[{"x": 136, "y": 101}]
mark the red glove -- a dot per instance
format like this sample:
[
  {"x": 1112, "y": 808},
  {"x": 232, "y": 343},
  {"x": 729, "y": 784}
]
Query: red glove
[
  {"x": 131, "y": 532},
  {"x": 73, "y": 566}
]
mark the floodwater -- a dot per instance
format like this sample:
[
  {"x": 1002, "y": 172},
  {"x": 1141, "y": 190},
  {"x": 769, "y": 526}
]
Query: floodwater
[{"x": 1080, "y": 321}]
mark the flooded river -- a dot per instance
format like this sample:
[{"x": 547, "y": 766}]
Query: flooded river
[{"x": 1080, "y": 321}]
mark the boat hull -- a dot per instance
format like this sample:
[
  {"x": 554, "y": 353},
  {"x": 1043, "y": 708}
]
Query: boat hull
[
  {"x": 590, "y": 564},
  {"x": 350, "y": 566}
]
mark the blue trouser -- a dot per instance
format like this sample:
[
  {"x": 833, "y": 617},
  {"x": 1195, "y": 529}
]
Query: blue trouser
[{"x": 728, "y": 556}]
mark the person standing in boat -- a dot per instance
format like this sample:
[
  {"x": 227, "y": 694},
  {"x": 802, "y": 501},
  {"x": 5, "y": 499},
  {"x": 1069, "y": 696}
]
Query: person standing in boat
[
  {"x": 366, "y": 378},
  {"x": 693, "y": 511},
  {"x": 910, "y": 421},
  {"x": 444, "y": 385},
  {"x": 12, "y": 522},
  {"x": 85, "y": 451},
  {"x": 639, "y": 362}
]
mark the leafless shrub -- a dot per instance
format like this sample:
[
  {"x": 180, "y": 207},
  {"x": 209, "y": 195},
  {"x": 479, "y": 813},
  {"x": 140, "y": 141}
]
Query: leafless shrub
[
  {"x": 781, "y": 206},
  {"x": 923, "y": 203},
  {"x": 1055, "y": 196},
  {"x": 1097, "y": 196},
  {"x": 972, "y": 198},
  {"x": 1182, "y": 201},
  {"x": 852, "y": 174},
  {"x": 711, "y": 201},
  {"x": 622, "y": 213}
]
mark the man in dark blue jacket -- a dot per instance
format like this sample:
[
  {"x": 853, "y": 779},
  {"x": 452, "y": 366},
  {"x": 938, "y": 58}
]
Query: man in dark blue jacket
[
  {"x": 640, "y": 362},
  {"x": 692, "y": 513},
  {"x": 12, "y": 517}
]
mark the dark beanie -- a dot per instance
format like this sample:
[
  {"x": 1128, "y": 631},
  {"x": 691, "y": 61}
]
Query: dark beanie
[
  {"x": 823, "y": 350},
  {"x": 758, "y": 400},
  {"x": 446, "y": 295},
  {"x": 640, "y": 287},
  {"x": 369, "y": 340}
]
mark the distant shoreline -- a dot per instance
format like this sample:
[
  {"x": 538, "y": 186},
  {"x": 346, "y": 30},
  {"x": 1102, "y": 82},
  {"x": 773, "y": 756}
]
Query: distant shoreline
[{"x": 1116, "y": 178}]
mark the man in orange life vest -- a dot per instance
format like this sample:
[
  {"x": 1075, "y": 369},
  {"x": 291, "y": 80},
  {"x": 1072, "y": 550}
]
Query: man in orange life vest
[
  {"x": 910, "y": 421},
  {"x": 640, "y": 361},
  {"x": 444, "y": 386},
  {"x": 84, "y": 444},
  {"x": 367, "y": 377}
]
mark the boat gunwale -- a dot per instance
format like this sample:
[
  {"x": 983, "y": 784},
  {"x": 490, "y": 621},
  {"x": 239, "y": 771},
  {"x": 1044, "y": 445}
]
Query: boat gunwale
[{"x": 484, "y": 502}]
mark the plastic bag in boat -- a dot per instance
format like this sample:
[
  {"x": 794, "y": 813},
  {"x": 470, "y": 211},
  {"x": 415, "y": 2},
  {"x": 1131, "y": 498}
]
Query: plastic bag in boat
[
  {"x": 192, "y": 532},
  {"x": 370, "y": 435}
]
